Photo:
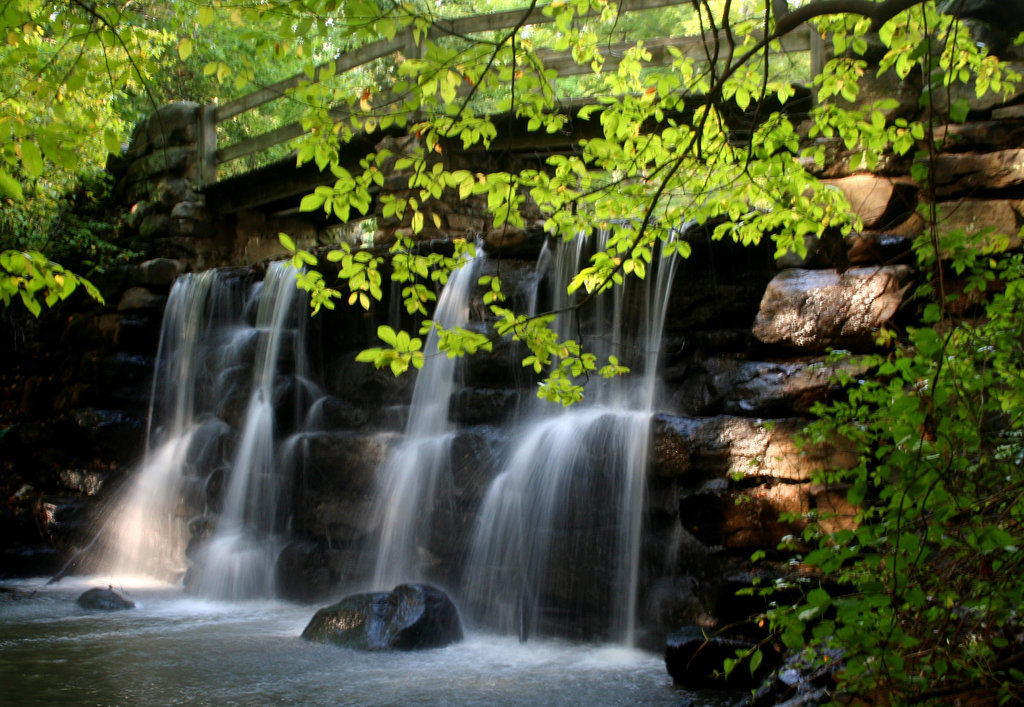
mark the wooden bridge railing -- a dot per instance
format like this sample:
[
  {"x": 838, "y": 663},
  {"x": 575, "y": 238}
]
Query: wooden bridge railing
[{"x": 212, "y": 156}]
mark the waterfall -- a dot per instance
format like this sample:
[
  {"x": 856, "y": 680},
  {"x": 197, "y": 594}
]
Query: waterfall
[
  {"x": 417, "y": 475},
  {"x": 200, "y": 477},
  {"x": 556, "y": 544},
  {"x": 147, "y": 531},
  {"x": 238, "y": 559},
  {"x": 558, "y": 536}
]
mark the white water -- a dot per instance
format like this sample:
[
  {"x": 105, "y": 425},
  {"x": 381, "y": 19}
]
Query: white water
[
  {"x": 558, "y": 536},
  {"x": 417, "y": 476},
  {"x": 238, "y": 561},
  {"x": 147, "y": 532},
  {"x": 207, "y": 350},
  {"x": 176, "y": 649}
]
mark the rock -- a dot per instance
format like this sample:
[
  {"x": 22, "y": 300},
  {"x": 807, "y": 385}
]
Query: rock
[
  {"x": 719, "y": 384},
  {"x": 104, "y": 600},
  {"x": 693, "y": 659},
  {"x": 758, "y": 449},
  {"x": 158, "y": 272},
  {"x": 977, "y": 216},
  {"x": 141, "y": 299},
  {"x": 173, "y": 124},
  {"x": 981, "y": 135},
  {"x": 878, "y": 201},
  {"x": 794, "y": 684},
  {"x": 814, "y": 310},
  {"x": 968, "y": 172},
  {"x": 410, "y": 617},
  {"x": 872, "y": 247},
  {"x": 303, "y": 573}
]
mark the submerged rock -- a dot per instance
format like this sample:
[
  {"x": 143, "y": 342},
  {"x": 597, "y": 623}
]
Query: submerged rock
[
  {"x": 410, "y": 617},
  {"x": 104, "y": 599}
]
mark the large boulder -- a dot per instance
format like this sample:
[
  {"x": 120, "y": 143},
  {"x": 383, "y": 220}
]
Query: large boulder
[
  {"x": 410, "y": 617},
  {"x": 104, "y": 600}
]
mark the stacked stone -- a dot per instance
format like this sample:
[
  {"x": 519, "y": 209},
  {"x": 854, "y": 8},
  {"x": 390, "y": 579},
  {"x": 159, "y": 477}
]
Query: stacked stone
[
  {"x": 160, "y": 184},
  {"x": 450, "y": 216},
  {"x": 727, "y": 478}
]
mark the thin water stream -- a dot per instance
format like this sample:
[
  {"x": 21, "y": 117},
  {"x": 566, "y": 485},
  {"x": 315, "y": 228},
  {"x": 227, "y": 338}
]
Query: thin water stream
[{"x": 179, "y": 649}]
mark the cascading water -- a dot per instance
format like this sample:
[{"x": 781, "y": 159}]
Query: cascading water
[
  {"x": 148, "y": 532},
  {"x": 238, "y": 560},
  {"x": 417, "y": 476},
  {"x": 558, "y": 533},
  {"x": 558, "y": 536},
  {"x": 195, "y": 472}
]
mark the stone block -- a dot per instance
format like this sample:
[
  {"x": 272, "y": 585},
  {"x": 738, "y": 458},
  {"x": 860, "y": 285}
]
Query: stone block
[
  {"x": 141, "y": 299},
  {"x": 157, "y": 272},
  {"x": 974, "y": 216},
  {"x": 154, "y": 225},
  {"x": 813, "y": 310},
  {"x": 168, "y": 161},
  {"x": 173, "y": 124},
  {"x": 876, "y": 200},
  {"x": 966, "y": 172}
]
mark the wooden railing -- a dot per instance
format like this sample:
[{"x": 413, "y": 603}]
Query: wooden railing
[{"x": 213, "y": 156}]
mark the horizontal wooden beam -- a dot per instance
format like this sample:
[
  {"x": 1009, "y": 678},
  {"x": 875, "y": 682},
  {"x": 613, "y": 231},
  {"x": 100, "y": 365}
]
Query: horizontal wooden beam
[{"x": 442, "y": 27}]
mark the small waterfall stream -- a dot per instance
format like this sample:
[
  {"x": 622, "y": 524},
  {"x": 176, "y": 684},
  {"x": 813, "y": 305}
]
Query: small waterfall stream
[
  {"x": 147, "y": 533},
  {"x": 558, "y": 536},
  {"x": 209, "y": 360},
  {"x": 417, "y": 476},
  {"x": 238, "y": 560}
]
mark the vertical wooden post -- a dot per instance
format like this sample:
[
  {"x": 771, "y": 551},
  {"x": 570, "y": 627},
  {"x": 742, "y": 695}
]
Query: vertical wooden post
[
  {"x": 817, "y": 52},
  {"x": 206, "y": 147}
]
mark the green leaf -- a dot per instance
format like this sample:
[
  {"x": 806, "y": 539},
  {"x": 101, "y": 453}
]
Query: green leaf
[
  {"x": 312, "y": 202},
  {"x": 287, "y": 242},
  {"x": 959, "y": 109},
  {"x": 31, "y": 159},
  {"x": 10, "y": 187},
  {"x": 185, "y": 48}
]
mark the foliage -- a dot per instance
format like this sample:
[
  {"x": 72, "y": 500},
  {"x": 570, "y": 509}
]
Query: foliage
[
  {"x": 923, "y": 595},
  {"x": 28, "y": 275},
  {"x": 77, "y": 75},
  {"x": 920, "y": 595}
]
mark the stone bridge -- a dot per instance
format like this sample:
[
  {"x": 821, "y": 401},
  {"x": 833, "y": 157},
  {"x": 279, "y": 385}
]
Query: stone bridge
[{"x": 181, "y": 208}]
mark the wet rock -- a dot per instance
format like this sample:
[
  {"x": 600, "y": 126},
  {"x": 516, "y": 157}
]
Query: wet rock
[
  {"x": 697, "y": 661},
  {"x": 478, "y": 405},
  {"x": 104, "y": 600},
  {"x": 410, "y": 617},
  {"x": 795, "y": 684},
  {"x": 813, "y": 310},
  {"x": 303, "y": 572},
  {"x": 719, "y": 384}
]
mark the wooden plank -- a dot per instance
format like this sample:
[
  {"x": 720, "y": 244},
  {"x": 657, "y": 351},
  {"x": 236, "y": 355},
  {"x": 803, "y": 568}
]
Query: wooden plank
[
  {"x": 259, "y": 143},
  {"x": 344, "y": 62},
  {"x": 376, "y": 50}
]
